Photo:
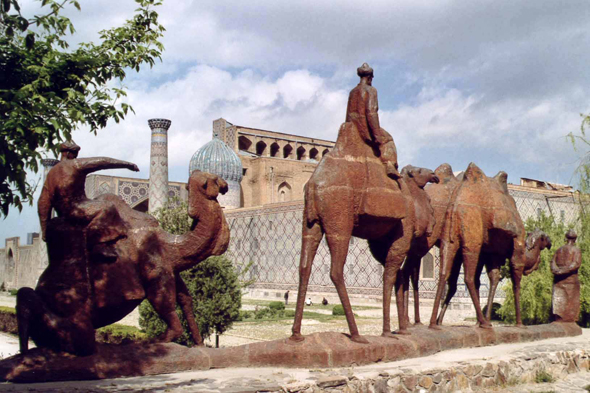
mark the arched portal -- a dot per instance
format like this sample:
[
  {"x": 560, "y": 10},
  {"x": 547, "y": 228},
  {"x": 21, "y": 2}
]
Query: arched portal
[
  {"x": 287, "y": 151},
  {"x": 301, "y": 153},
  {"x": 284, "y": 192},
  {"x": 313, "y": 154},
  {"x": 326, "y": 151},
  {"x": 274, "y": 149},
  {"x": 244, "y": 143}
]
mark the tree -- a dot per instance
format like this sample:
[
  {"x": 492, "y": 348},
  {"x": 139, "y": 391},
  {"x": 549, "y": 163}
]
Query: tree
[
  {"x": 536, "y": 288},
  {"x": 214, "y": 285},
  {"x": 47, "y": 89}
]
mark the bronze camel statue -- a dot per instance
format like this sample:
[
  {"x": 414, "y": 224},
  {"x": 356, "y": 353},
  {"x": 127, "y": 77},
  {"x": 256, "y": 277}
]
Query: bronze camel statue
[
  {"x": 75, "y": 294},
  {"x": 438, "y": 196},
  {"x": 484, "y": 226}
]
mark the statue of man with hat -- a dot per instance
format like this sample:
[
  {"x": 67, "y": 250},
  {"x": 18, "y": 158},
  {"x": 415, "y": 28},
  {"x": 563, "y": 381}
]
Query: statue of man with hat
[
  {"x": 567, "y": 260},
  {"x": 64, "y": 191},
  {"x": 363, "y": 111}
]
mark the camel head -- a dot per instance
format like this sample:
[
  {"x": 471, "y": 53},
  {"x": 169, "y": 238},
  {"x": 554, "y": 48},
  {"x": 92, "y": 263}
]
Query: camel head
[
  {"x": 203, "y": 187},
  {"x": 537, "y": 238},
  {"x": 536, "y": 241},
  {"x": 420, "y": 176}
]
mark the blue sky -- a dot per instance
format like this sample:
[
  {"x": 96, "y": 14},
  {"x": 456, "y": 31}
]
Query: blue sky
[{"x": 499, "y": 83}]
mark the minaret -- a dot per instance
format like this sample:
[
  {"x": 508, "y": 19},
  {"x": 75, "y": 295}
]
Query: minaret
[
  {"x": 158, "y": 164},
  {"x": 47, "y": 163}
]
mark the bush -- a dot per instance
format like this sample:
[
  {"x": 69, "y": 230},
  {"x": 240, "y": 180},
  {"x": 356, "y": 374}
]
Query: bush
[
  {"x": 120, "y": 334},
  {"x": 13, "y": 292},
  {"x": 278, "y": 306},
  {"x": 338, "y": 310},
  {"x": 217, "y": 299},
  {"x": 544, "y": 377},
  {"x": 290, "y": 313},
  {"x": 8, "y": 322},
  {"x": 536, "y": 288},
  {"x": 495, "y": 315}
]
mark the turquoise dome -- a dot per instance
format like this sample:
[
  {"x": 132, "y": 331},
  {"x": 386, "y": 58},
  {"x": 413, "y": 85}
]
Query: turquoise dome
[{"x": 216, "y": 157}]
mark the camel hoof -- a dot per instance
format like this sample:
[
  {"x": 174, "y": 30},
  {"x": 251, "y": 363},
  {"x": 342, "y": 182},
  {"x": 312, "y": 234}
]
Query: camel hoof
[
  {"x": 403, "y": 332},
  {"x": 359, "y": 339},
  {"x": 434, "y": 327},
  {"x": 520, "y": 326},
  {"x": 486, "y": 325},
  {"x": 418, "y": 323},
  {"x": 297, "y": 337},
  {"x": 388, "y": 335}
]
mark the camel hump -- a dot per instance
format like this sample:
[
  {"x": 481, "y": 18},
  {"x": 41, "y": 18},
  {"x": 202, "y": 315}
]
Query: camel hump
[
  {"x": 444, "y": 172},
  {"x": 502, "y": 179},
  {"x": 473, "y": 174}
]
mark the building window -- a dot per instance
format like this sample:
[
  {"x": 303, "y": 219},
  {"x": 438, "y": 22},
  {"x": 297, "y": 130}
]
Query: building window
[
  {"x": 287, "y": 151},
  {"x": 244, "y": 143},
  {"x": 427, "y": 268},
  {"x": 244, "y": 170},
  {"x": 301, "y": 153},
  {"x": 313, "y": 154},
  {"x": 326, "y": 151}
]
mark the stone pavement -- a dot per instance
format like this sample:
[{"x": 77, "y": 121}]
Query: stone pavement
[{"x": 567, "y": 359}]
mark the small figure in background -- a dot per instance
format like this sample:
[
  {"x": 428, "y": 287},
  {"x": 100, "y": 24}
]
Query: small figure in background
[
  {"x": 286, "y": 297},
  {"x": 325, "y": 301},
  {"x": 308, "y": 302},
  {"x": 567, "y": 260}
]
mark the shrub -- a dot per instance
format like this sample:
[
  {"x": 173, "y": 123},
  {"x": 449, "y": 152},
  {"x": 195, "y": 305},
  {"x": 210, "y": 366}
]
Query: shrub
[
  {"x": 536, "y": 288},
  {"x": 13, "y": 292},
  {"x": 119, "y": 334},
  {"x": 495, "y": 315},
  {"x": 289, "y": 313},
  {"x": 338, "y": 310},
  {"x": 217, "y": 299},
  {"x": 276, "y": 306},
  {"x": 544, "y": 377}
]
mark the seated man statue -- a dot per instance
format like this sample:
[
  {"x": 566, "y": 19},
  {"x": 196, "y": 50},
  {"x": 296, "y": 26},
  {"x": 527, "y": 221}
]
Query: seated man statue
[
  {"x": 362, "y": 110},
  {"x": 64, "y": 191}
]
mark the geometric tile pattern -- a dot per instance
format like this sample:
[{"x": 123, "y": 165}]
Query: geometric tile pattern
[{"x": 270, "y": 236}]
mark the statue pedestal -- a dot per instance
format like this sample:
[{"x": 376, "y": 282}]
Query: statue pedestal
[{"x": 319, "y": 350}]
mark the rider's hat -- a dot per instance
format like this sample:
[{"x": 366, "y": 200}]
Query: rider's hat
[{"x": 364, "y": 70}]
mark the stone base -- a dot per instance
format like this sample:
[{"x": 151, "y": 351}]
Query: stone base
[{"x": 318, "y": 350}]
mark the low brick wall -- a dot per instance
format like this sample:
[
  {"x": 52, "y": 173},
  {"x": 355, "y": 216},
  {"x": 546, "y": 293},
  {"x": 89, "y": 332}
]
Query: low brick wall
[{"x": 476, "y": 377}]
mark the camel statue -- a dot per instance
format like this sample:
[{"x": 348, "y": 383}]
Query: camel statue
[
  {"x": 349, "y": 194},
  {"x": 75, "y": 295},
  {"x": 483, "y": 223},
  {"x": 433, "y": 197}
]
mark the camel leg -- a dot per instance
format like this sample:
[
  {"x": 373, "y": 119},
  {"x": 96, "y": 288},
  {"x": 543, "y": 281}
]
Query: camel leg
[
  {"x": 451, "y": 288},
  {"x": 415, "y": 283},
  {"x": 470, "y": 264},
  {"x": 185, "y": 300},
  {"x": 494, "y": 277},
  {"x": 411, "y": 270},
  {"x": 312, "y": 236},
  {"x": 448, "y": 251},
  {"x": 338, "y": 245},
  {"x": 160, "y": 292}
]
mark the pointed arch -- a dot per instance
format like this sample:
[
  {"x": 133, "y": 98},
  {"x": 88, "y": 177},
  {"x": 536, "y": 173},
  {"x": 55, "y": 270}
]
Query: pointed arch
[
  {"x": 274, "y": 149},
  {"x": 287, "y": 151},
  {"x": 313, "y": 154},
  {"x": 326, "y": 151},
  {"x": 284, "y": 192},
  {"x": 301, "y": 153},
  {"x": 244, "y": 143},
  {"x": 260, "y": 148}
]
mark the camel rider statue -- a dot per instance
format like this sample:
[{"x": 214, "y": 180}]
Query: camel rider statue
[
  {"x": 64, "y": 191},
  {"x": 363, "y": 110}
]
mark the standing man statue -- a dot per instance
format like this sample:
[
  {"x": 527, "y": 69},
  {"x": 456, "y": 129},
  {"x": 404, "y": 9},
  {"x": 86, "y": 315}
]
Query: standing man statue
[
  {"x": 64, "y": 191},
  {"x": 566, "y": 284},
  {"x": 362, "y": 110}
]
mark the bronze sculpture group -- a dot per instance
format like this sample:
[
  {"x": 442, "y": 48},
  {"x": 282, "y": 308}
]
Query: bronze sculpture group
[{"x": 105, "y": 258}]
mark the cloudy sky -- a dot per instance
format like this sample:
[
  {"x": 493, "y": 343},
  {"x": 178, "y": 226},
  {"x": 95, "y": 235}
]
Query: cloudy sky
[{"x": 499, "y": 83}]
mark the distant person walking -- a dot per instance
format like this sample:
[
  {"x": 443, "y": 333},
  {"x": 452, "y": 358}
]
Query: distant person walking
[
  {"x": 325, "y": 301},
  {"x": 286, "y": 297}
]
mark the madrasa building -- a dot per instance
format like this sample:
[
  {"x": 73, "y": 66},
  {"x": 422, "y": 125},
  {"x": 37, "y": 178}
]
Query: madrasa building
[{"x": 266, "y": 172}]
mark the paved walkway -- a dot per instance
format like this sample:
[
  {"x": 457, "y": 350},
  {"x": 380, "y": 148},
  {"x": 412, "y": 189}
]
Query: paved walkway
[{"x": 274, "y": 379}]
